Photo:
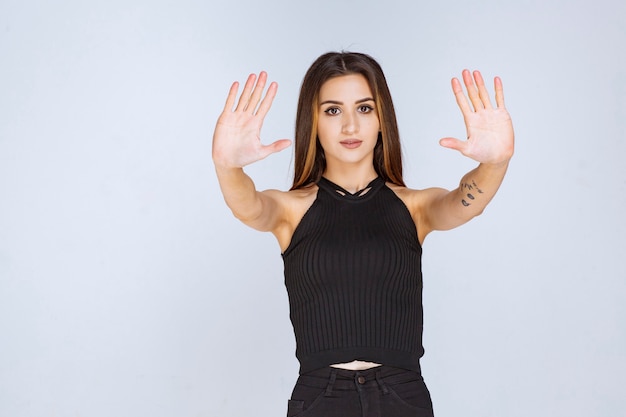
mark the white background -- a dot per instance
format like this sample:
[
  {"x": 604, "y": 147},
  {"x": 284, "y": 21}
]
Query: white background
[{"x": 128, "y": 289}]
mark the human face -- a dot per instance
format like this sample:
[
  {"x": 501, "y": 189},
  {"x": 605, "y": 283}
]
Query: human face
[{"x": 348, "y": 124}]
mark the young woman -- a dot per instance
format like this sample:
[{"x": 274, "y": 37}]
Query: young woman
[{"x": 349, "y": 229}]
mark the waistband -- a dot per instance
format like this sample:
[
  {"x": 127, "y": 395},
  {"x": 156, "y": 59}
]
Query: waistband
[{"x": 343, "y": 379}]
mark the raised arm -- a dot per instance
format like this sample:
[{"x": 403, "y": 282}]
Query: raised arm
[
  {"x": 237, "y": 143},
  {"x": 490, "y": 141}
]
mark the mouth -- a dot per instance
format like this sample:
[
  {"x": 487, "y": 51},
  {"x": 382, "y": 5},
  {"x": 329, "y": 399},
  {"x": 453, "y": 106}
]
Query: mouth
[{"x": 351, "y": 143}]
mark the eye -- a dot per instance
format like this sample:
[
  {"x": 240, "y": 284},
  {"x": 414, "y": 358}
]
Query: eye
[
  {"x": 332, "y": 111},
  {"x": 365, "y": 108}
]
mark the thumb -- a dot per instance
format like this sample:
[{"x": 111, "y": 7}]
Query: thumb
[
  {"x": 453, "y": 143},
  {"x": 277, "y": 146}
]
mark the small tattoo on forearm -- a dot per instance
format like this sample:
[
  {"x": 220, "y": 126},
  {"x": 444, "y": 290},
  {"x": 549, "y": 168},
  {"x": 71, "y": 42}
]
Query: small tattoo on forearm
[
  {"x": 471, "y": 188},
  {"x": 477, "y": 189}
]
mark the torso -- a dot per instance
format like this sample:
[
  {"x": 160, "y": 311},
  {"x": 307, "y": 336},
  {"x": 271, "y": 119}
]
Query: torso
[
  {"x": 339, "y": 226},
  {"x": 356, "y": 365}
]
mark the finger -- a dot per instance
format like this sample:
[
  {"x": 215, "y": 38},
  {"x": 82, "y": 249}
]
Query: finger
[
  {"x": 453, "y": 143},
  {"x": 497, "y": 82},
  {"x": 461, "y": 100},
  {"x": 267, "y": 101},
  {"x": 257, "y": 92},
  {"x": 277, "y": 146},
  {"x": 245, "y": 94},
  {"x": 472, "y": 91},
  {"x": 232, "y": 96},
  {"x": 482, "y": 90}
]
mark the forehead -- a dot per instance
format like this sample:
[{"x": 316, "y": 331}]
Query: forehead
[{"x": 345, "y": 88}]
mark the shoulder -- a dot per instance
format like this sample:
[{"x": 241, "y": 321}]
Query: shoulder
[
  {"x": 293, "y": 205},
  {"x": 293, "y": 199},
  {"x": 300, "y": 201},
  {"x": 419, "y": 204},
  {"x": 414, "y": 199}
]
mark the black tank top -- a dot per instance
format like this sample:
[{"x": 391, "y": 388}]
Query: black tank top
[{"x": 353, "y": 276}]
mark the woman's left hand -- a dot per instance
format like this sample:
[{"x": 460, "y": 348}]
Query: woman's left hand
[{"x": 490, "y": 137}]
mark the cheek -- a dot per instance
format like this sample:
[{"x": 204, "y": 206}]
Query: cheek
[
  {"x": 321, "y": 130},
  {"x": 373, "y": 127},
  {"x": 322, "y": 134},
  {"x": 327, "y": 127}
]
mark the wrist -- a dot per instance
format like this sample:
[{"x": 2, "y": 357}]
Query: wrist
[
  {"x": 226, "y": 171},
  {"x": 496, "y": 166}
]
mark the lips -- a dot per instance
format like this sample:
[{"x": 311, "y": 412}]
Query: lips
[{"x": 351, "y": 143}]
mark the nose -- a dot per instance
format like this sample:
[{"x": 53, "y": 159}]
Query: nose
[{"x": 350, "y": 123}]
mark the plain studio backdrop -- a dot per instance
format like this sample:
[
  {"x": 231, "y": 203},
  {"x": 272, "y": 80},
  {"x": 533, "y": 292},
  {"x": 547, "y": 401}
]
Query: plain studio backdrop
[{"x": 128, "y": 289}]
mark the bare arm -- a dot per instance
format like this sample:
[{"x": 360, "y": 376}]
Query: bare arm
[
  {"x": 490, "y": 141},
  {"x": 236, "y": 143}
]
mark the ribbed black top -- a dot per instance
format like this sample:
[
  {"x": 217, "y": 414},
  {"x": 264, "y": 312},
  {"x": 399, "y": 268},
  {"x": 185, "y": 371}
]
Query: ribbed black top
[{"x": 353, "y": 276}]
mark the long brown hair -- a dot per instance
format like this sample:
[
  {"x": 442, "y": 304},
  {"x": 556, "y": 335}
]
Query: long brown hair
[{"x": 310, "y": 161}]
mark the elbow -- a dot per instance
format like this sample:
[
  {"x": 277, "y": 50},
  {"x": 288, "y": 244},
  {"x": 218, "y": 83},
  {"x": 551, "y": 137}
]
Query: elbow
[
  {"x": 467, "y": 215},
  {"x": 252, "y": 215},
  {"x": 475, "y": 211},
  {"x": 245, "y": 216}
]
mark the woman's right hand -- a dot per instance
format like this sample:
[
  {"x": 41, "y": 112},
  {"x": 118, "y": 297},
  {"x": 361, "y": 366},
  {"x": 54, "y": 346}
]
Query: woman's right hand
[{"x": 236, "y": 140}]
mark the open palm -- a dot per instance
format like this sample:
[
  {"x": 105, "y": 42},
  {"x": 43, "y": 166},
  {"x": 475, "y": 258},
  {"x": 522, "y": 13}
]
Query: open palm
[
  {"x": 490, "y": 137},
  {"x": 236, "y": 140}
]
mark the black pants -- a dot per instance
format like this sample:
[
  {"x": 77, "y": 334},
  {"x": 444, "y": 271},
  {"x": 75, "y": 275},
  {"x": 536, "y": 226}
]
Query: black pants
[{"x": 378, "y": 392}]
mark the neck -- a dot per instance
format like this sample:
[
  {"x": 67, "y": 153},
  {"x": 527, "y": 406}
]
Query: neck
[{"x": 351, "y": 180}]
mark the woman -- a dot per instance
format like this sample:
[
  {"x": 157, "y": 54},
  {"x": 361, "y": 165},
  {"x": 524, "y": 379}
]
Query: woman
[{"x": 349, "y": 229}]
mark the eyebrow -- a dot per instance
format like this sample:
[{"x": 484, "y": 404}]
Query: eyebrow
[{"x": 363, "y": 100}]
